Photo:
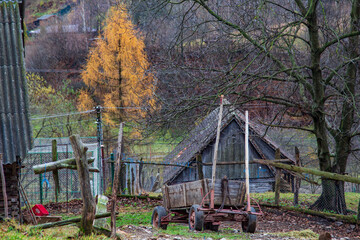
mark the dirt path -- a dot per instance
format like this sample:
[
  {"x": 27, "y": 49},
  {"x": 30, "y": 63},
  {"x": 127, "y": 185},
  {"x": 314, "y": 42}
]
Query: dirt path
[{"x": 273, "y": 222}]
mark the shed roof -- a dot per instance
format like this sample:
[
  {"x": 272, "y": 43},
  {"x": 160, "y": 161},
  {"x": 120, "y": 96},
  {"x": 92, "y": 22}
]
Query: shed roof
[
  {"x": 15, "y": 130},
  {"x": 47, "y": 16},
  {"x": 205, "y": 132}
]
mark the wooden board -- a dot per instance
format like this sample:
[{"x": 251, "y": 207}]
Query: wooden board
[{"x": 185, "y": 195}]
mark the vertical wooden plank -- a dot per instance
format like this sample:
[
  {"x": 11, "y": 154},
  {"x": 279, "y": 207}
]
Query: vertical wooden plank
[
  {"x": 199, "y": 166},
  {"x": 128, "y": 180},
  {"x": 132, "y": 181},
  {"x": 184, "y": 193},
  {"x": 3, "y": 184},
  {"x": 277, "y": 179},
  {"x": 167, "y": 199},
  {"x": 55, "y": 172}
]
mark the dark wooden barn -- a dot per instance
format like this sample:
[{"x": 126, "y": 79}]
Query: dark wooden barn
[
  {"x": 199, "y": 146},
  {"x": 15, "y": 131}
]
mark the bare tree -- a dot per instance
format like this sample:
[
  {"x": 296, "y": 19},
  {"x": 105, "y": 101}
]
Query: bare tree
[{"x": 300, "y": 57}]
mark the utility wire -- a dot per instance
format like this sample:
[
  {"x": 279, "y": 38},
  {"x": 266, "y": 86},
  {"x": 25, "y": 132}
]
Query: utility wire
[
  {"x": 123, "y": 108},
  {"x": 63, "y": 124},
  {"x": 62, "y": 115}
]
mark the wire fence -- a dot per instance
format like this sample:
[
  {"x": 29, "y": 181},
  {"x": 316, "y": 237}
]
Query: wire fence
[
  {"x": 317, "y": 196},
  {"x": 40, "y": 188}
]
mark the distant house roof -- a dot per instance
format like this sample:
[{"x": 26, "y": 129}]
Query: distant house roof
[
  {"x": 15, "y": 130},
  {"x": 205, "y": 132},
  {"x": 45, "y": 17}
]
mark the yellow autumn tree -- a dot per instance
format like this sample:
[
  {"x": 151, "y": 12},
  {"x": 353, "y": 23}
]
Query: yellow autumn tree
[{"x": 117, "y": 71}]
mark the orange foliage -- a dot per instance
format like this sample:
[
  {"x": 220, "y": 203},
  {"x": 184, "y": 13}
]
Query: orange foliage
[{"x": 117, "y": 70}]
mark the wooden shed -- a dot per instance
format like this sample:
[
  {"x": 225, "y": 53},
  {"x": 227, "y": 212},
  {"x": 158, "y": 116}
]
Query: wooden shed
[
  {"x": 197, "y": 150},
  {"x": 15, "y": 131}
]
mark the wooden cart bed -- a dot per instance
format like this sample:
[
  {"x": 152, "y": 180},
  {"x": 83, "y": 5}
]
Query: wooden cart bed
[{"x": 184, "y": 195}]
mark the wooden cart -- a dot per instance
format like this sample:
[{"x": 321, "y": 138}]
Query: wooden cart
[
  {"x": 205, "y": 203},
  {"x": 191, "y": 203}
]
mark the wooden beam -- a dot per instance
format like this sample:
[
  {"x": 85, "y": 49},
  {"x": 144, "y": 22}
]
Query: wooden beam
[
  {"x": 155, "y": 163},
  {"x": 243, "y": 162},
  {"x": 73, "y": 167},
  {"x": 67, "y": 222},
  {"x": 328, "y": 215},
  {"x": 88, "y": 211},
  {"x": 3, "y": 184},
  {"x": 51, "y": 166},
  {"x": 328, "y": 175}
]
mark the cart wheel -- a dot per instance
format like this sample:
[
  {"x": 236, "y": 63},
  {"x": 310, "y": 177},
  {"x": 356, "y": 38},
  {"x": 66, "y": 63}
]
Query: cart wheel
[
  {"x": 210, "y": 226},
  {"x": 196, "y": 218},
  {"x": 214, "y": 228},
  {"x": 157, "y": 214},
  {"x": 249, "y": 225}
]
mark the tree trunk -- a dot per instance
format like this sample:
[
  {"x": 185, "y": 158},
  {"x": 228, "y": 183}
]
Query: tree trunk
[
  {"x": 332, "y": 197},
  {"x": 88, "y": 211},
  {"x": 116, "y": 182}
]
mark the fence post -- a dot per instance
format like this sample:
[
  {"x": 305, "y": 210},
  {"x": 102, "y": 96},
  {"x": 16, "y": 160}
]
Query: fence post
[
  {"x": 112, "y": 159},
  {"x": 277, "y": 179},
  {"x": 41, "y": 188},
  {"x": 297, "y": 179},
  {"x": 41, "y": 182},
  {"x": 55, "y": 172}
]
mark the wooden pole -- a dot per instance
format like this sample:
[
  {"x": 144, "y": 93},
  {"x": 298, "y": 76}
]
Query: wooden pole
[
  {"x": 328, "y": 175},
  {"x": 55, "y": 172},
  {"x": 3, "y": 184},
  {"x": 297, "y": 179},
  {"x": 88, "y": 211},
  {"x": 27, "y": 203},
  {"x": 199, "y": 166},
  {"x": 116, "y": 183},
  {"x": 277, "y": 179},
  {"x": 247, "y": 181},
  {"x": 212, "y": 193}
]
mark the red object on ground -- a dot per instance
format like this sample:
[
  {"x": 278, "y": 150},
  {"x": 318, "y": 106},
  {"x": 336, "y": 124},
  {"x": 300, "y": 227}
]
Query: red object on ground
[{"x": 39, "y": 210}]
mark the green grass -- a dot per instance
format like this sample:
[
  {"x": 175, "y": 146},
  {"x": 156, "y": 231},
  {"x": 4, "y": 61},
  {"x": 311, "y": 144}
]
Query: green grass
[
  {"x": 305, "y": 234},
  {"x": 134, "y": 218}
]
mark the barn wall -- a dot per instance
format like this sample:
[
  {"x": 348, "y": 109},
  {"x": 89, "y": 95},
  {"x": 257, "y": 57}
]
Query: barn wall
[
  {"x": 12, "y": 189},
  {"x": 231, "y": 149}
]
